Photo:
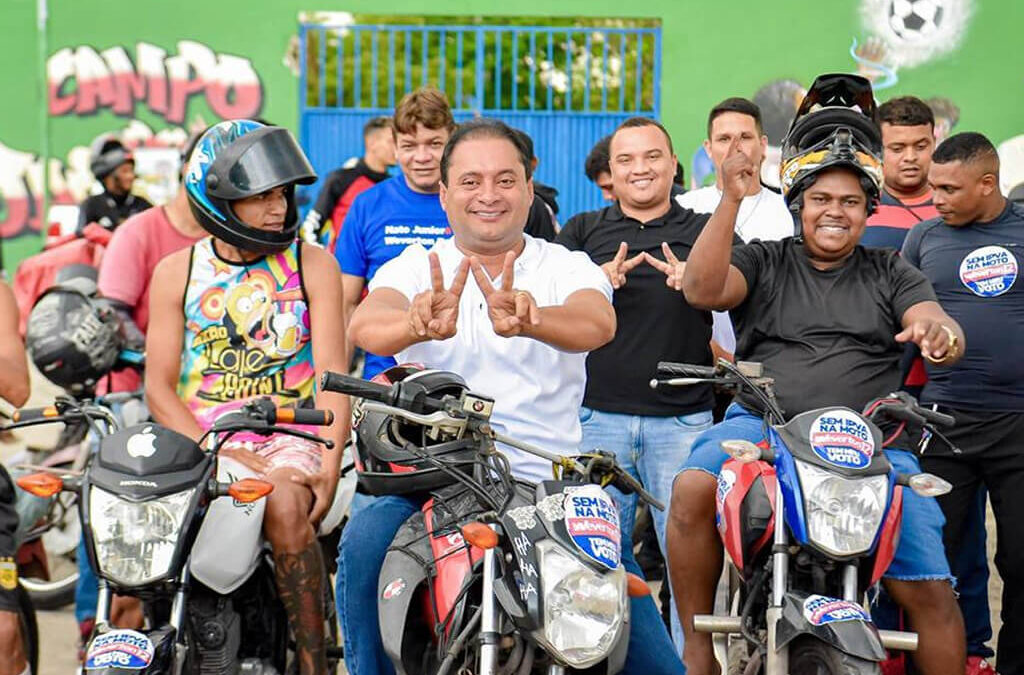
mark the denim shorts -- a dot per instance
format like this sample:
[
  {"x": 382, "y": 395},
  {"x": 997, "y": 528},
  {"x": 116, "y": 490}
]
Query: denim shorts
[{"x": 920, "y": 555}]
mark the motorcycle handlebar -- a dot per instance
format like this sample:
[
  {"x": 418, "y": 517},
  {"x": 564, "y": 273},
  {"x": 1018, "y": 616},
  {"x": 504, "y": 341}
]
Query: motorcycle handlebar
[
  {"x": 670, "y": 369},
  {"x": 354, "y": 386},
  {"x": 310, "y": 416},
  {"x": 35, "y": 414}
]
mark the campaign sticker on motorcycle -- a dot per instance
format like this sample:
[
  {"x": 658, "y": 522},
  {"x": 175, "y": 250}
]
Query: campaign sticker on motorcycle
[
  {"x": 126, "y": 649},
  {"x": 593, "y": 524},
  {"x": 989, "y": 271},
  {"x": 821, "y": 609},
  {"x": 843, "y": 439}
]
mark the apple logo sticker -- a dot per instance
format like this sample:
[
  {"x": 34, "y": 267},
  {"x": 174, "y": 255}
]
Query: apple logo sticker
[{"x": 142, "y": 445}]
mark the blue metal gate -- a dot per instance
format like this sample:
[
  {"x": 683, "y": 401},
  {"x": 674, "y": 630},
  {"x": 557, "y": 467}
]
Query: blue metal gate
[{"x": 565, "y": 86}]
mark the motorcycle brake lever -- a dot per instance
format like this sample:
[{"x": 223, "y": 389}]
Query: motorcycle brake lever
[{"x": 327, "y": 443}]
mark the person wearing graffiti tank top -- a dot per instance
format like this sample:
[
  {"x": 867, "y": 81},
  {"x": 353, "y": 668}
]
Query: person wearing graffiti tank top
[
  {"x": 233, "y": 317},
  {"x": 972, "y": 255}
]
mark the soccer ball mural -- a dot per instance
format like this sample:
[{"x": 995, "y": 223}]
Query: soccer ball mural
[
  {"x": 916, "y": 31},
  {"x": 915, "y": 19}
]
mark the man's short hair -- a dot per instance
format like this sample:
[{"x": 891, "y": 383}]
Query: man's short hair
[
  {"x": 906, "y": 111},
  {"x": 639, "y": 123},
  {"x": 375, "y": 124},
  {"x": 966, "y": 147},
  {"x": 484, "y": 127},
  {"x": 598, "y": 160},
  {"x": 425, "y": 106},
  {"x": 739, "y": 105}
]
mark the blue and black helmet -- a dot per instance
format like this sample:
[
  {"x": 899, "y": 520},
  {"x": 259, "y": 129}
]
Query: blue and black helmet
[{"x": 238, "y": 159}]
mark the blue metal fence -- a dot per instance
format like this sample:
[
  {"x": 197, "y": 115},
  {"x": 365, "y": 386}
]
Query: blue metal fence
[{"x": 565, "y": 86}]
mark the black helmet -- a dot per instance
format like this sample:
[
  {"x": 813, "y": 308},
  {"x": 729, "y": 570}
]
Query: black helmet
[
  {"x": 834, "y": 126},
  {"x": 389, "y": 451},
  {"x": 73, "y": 338},
  {"x": 106, "y": 154},
  {"x": 238, "y": 159}
]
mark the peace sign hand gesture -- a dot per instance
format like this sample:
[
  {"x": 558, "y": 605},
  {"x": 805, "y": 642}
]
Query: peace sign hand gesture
[
  {"x": 671, "y": 267},
  {"x": 434, "y": 313},
  {"x": 511, "y": 312},
  {"x": 616, "y": 268}
]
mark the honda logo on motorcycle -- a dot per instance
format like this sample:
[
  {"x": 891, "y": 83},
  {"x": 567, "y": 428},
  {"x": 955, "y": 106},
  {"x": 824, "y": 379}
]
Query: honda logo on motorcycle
[
  {"x": 842, "y": 439},
  {"x": 593, "y": 524}
]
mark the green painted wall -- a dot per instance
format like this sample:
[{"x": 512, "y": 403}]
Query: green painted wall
[{"x": 710, "y": 50}]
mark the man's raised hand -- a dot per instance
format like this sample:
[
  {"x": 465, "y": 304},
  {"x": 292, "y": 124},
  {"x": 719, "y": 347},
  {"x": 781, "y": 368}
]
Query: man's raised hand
[
  {"x": 511, "y": 311},
  {"x": 738, "y": 172},
  {"x": 671, "y": 267},
  {"x": 617, "y": 268},
  {"x": 434, "y": 313}
]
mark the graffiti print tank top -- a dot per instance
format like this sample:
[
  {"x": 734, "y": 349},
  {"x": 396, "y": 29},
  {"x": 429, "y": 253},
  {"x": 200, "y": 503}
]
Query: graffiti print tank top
[{"x": 246, "y": 333}]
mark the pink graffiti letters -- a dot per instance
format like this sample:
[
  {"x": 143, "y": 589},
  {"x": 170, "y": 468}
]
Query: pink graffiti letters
[{"x": 83, "y": 81}]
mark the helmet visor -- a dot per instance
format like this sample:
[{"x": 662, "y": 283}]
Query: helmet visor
[
  {"x": 268, "y": 158},
  {"x": 842, "y": 148}
]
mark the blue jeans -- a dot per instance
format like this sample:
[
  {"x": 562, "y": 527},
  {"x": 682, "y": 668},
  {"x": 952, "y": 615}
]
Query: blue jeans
[
  {"x": 915, "y": 558},
  {"x": 364, "y": 543},
  {"x": 651, "y": 449}
]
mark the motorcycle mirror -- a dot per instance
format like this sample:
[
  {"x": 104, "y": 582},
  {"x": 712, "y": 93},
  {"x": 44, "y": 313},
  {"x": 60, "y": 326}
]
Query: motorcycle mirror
[
  {"x": 636, "y": 587},
  {"x": 41, "y": 484},
  {"x": 480, "y": 535},
  {"x": 928, "y": 485},
  {"x": 250, "y": 489},
  {"x": 742, "y": 451}
]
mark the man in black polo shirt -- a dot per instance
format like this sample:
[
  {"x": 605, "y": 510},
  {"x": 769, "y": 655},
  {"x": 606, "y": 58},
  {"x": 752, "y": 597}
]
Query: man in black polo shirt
[
  {"x": 828, "y": 319},
  {"x": 649, "y": 431},
  {"x": 972, "y": 255}
]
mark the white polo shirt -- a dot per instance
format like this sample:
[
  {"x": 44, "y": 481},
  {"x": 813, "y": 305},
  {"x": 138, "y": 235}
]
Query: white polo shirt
[
  {"x": 537, "y": 389},
  {"x": 762, "y": 216}
]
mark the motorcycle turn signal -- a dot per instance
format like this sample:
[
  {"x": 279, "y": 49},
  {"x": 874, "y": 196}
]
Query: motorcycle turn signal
[
  {"x": 41, "y": 484},
  {"x": 480, "y": 535}
]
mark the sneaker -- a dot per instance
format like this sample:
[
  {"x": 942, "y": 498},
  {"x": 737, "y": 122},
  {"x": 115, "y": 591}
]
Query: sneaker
[{"x": 977, "y": 665}]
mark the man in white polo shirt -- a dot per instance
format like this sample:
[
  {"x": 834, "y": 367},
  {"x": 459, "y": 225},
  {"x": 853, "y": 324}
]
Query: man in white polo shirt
[
  {"x": 514, "y": 316},
  {"x": 763, "y": 214}
]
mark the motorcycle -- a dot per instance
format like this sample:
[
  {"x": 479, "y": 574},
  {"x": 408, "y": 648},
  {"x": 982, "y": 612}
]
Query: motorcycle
[
  {"x": 49, "y": 528},
  {"x": 810, "y": 518},
  {"x": 158, "y": 526},
  {"x": 495, "y": 575}
]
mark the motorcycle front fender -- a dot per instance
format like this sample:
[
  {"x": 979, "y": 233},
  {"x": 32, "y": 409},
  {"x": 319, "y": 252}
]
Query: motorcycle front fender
[
  {"x": 854, "y": 636},
  {"x": 161, "y": 661}
]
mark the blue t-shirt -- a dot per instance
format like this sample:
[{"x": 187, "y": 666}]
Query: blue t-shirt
[
  {"x": 976, "y": 271},
  {"x": 381, "y": 223}
]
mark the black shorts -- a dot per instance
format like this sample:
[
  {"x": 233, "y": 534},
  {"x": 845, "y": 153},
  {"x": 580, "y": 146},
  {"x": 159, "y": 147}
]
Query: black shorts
[{"x": 8, "y": 525}]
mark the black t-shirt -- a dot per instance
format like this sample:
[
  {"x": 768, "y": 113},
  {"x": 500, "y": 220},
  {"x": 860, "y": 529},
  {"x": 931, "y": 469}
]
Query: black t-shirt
[
  {"x": 975, "y": 270},
  {"x": 109, "y": 210},
  {"x": 336, "y": 187},
  {"x": 827, "y": 337},
  {"x": 655, "y": 323}
]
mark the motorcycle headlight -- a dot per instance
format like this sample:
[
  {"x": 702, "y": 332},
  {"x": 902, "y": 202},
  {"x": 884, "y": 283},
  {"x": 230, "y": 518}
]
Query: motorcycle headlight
[
  {"x": 135, "y": 541},
  {"x": 843, "y": 514},
  {"x": 584, "y": 610}
]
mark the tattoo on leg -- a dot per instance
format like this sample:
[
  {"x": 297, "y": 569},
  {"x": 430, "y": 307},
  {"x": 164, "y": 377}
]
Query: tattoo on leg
[{"x": 300, "y": 584}]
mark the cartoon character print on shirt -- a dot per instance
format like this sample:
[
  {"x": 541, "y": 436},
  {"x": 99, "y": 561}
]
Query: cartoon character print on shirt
[
  {"x": 248, "y": 335},
  {"x": 989, "y": 271},
  {"x": 252, "y": 337}
]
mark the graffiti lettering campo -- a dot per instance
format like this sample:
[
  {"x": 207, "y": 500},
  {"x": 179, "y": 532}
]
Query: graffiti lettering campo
[{"x": 83, "y": 81}]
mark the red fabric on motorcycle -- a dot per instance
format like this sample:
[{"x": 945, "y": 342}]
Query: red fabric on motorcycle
[{"x": 37, "y": 273}]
